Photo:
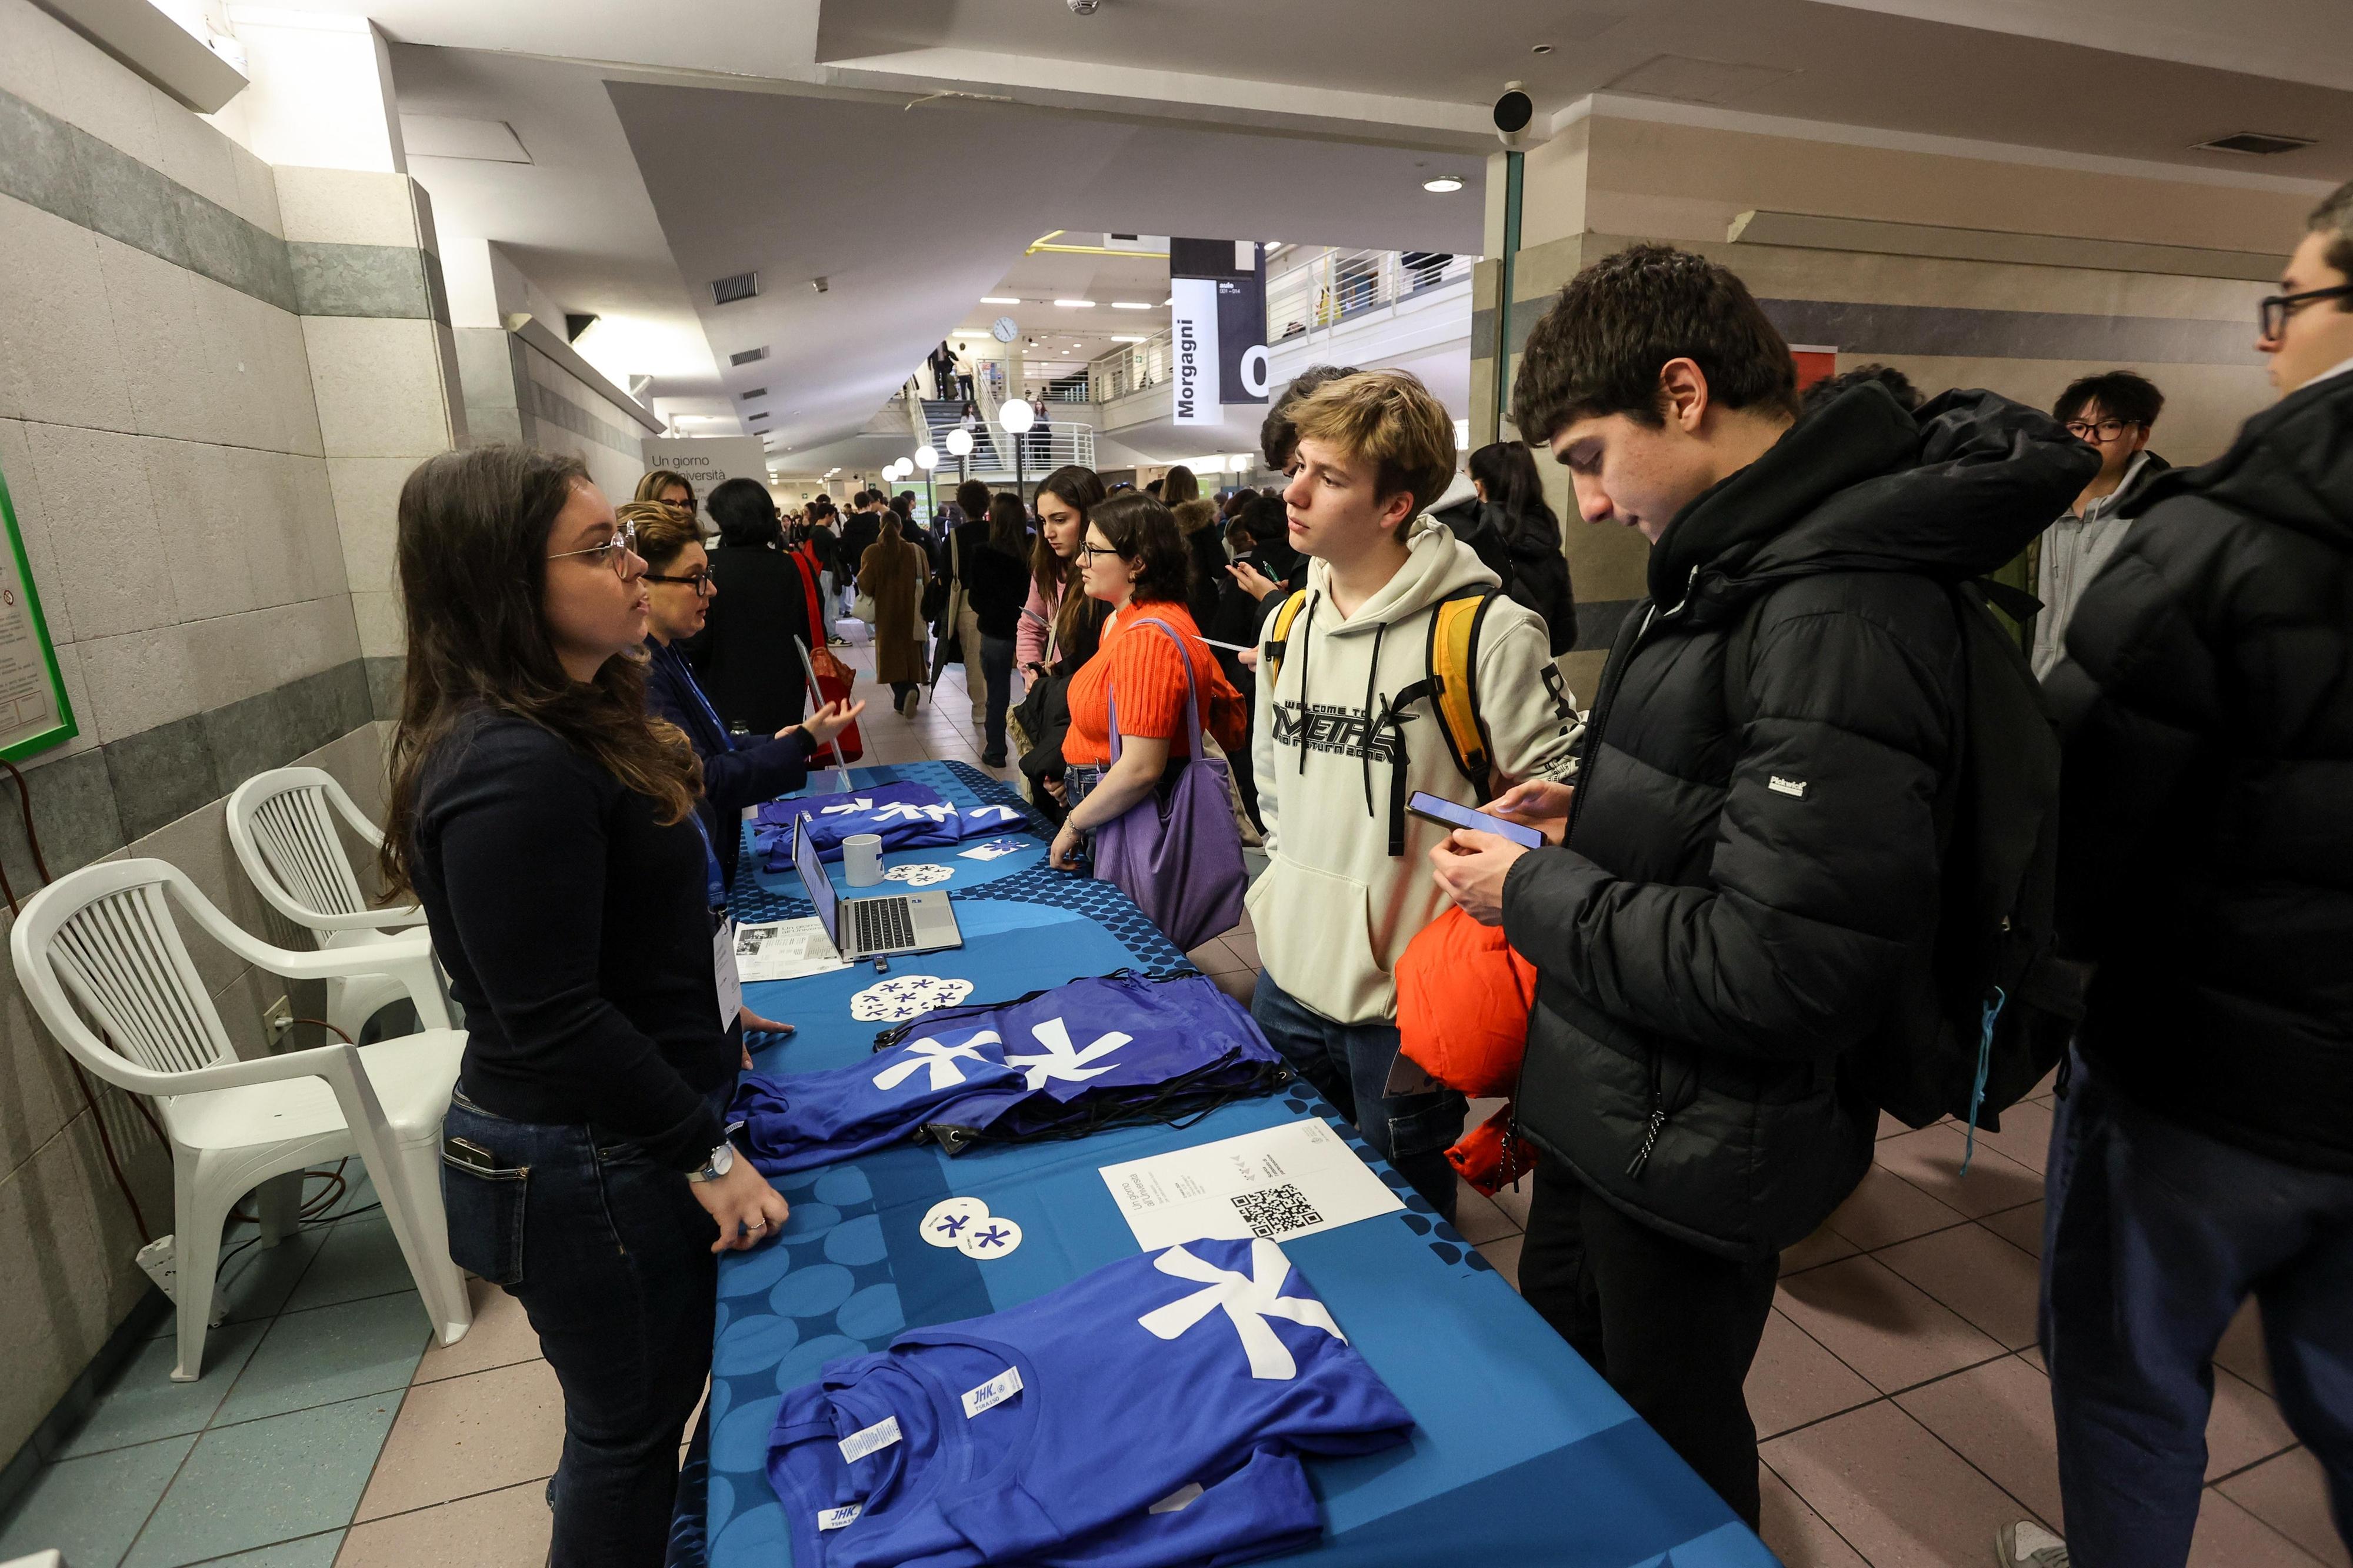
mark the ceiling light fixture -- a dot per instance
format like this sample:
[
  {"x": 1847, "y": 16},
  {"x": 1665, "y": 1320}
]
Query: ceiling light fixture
[
  {"x": 1541, "y": 49},
  {"x": 2254, "y": 143},
  {"x": 998, "y": 299},
  {"x": 1074, "y": 304},
  {"x": 1117, "y": 338},
  {"x": 1445, "y": 184},
  {"x": 1129, "y": 305}
]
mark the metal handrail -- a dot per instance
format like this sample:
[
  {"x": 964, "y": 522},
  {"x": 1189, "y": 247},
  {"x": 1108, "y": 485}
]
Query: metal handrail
[{"x": 1323, "y": 291}]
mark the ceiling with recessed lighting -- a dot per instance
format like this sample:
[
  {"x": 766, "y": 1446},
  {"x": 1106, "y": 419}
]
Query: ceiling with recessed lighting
[{"x": 669, "y": 146}]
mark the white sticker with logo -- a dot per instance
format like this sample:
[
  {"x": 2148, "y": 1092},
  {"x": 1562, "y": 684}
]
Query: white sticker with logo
[
  {"x": 1787, "y": 786},
  {"x": 993, "y": 1393},
  {"x": 836, "y": 1518}
]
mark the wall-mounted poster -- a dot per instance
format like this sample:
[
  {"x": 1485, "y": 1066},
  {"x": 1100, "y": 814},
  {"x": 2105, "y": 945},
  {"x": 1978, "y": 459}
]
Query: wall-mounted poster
[{"x": 34, "y": 713}]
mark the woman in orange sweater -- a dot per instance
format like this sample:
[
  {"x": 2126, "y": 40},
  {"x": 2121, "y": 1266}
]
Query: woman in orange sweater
[{"x": 1134, "y": 561}]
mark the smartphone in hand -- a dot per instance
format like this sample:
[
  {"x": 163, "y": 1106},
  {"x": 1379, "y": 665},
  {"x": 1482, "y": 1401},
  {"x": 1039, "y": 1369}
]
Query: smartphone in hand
[{"x": 1446, "y": 814}]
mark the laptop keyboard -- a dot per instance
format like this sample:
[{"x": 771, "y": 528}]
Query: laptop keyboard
[{"x": 883, "y": 923}]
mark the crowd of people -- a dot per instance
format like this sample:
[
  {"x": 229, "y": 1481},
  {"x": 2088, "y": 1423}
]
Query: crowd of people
[{"x": 1747, "y": 917}]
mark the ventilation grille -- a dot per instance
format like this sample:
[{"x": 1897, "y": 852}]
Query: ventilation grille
[
  {"x": 748, "y": 355},
  {"x": 755, "y": 392},
  {"x": 727, "y": 290},
  {"x": 756, "y": 418},
  {"x": 2254, "y": 143}
]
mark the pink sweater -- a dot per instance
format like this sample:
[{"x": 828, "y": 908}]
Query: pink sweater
[{"x": 1037, "y": 619}]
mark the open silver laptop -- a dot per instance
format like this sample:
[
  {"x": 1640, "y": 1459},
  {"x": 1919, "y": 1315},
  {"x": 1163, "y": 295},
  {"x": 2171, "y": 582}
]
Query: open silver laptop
[{"x": 871, "y": 927}]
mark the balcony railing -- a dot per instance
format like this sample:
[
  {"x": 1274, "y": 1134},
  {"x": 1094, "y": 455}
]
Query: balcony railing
[
  {"x": 1342, "y": 285},
  {"x": 1320, "y": 293}
]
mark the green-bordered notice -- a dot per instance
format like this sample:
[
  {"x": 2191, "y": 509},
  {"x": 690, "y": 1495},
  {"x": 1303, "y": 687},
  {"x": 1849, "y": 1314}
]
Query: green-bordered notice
[{"x": 34, "y": 713}]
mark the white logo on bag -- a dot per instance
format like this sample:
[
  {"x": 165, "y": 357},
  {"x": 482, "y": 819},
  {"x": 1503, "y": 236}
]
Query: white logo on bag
[
  {"x": 939, "y": 1057},
  {"x": 1248, "y": 1300},
  {"x": 1787, "y": 786},
  {"x": 1060, "y": 1060}
]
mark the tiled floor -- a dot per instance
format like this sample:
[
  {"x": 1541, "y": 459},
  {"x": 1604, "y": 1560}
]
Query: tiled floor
[{"x": 1902, "y": 1408}]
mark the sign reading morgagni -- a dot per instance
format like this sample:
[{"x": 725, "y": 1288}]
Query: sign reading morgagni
[{"x": 1217, "y": 291}]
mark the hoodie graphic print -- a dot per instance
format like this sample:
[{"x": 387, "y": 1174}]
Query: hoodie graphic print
[{"x": 1332, "y": 747}]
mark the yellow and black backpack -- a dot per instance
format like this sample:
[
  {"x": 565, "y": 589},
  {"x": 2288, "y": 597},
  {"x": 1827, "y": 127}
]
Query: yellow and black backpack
[{"x": 1452, "y": 686}]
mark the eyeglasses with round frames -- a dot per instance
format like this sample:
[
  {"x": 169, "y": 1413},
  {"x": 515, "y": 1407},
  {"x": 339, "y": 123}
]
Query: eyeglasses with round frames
[
  {"x": 700, "y": 580},
  {"x": 617, "y": 552}
]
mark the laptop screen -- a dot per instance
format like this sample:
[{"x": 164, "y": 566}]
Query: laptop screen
[{"x": 814, "y": 881}]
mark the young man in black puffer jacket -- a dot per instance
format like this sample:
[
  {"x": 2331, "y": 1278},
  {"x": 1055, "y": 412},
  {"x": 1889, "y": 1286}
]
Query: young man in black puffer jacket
[
  {"x": 1746, "y": 896},
  {"x": 2204, "y": 1146}
]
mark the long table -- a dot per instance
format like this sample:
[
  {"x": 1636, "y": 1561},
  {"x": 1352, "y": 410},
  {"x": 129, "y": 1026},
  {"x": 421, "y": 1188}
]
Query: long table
[{"x": 1519, "y": 1449}]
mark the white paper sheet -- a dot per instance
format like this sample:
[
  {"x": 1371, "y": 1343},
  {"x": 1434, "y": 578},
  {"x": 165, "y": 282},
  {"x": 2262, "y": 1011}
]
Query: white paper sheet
[
  {"x": 785, "y": 950},
  {"x": 1291, "y": 1180}
]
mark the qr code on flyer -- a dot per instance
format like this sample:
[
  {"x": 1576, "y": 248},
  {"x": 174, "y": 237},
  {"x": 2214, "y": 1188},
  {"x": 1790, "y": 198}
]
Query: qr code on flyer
[{"x": 1276, "y": 1211}]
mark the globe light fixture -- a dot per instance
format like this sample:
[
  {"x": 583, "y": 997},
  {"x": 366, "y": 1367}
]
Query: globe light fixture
[
  {"x": 959, "y": 443},
  {"x": 926, "y": 459},
  {"x": 1016, "y": 416}
]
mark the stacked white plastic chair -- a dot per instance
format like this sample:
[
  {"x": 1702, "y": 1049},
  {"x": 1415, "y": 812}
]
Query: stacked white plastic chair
[
  {"x": 101, "y": 947},
  {"x": 282, "y": 825}
]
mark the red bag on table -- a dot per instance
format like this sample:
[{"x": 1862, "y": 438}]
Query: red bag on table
[{"x": 1464, "y": 997}]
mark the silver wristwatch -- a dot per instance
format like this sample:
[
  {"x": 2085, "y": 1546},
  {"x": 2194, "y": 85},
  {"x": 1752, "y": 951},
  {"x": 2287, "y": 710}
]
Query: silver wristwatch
[{"x": 722, "y": 1161}]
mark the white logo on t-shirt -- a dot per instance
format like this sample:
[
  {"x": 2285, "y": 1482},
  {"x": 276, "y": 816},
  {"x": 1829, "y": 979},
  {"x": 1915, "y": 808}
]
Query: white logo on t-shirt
[{"x": 1248, "y": 1300}]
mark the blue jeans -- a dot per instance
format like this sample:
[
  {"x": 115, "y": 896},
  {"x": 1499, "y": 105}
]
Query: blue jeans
[
  {"x": 1349, "y": 1065},
  {"x": 997, "y": 671},
  {"x": 2154, "y": 1236},
  {"x": 610, "y": 1256}
]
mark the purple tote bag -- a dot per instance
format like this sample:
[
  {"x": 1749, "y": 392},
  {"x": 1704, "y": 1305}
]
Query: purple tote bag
[{"x": 1178, "y": 854}]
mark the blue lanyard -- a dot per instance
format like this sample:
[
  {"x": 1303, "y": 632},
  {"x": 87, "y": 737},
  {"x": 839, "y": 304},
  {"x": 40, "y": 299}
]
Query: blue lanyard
[
  {"x": 686, "y": 678},
  {"x": 715, "y": 878}
]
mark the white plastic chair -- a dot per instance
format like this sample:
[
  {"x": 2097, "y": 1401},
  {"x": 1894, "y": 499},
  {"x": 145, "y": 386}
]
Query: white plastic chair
[
  {"x": 106, "y": 935},
  {"x": 282, "y": 827}
]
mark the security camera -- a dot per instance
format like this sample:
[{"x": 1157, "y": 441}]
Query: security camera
[
  {"x": 1084, "y": 7},
  {"x": 1514, "y": 110}
]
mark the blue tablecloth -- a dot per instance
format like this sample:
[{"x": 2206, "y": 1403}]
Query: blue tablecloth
[{"x": 1520, "y": 1450}]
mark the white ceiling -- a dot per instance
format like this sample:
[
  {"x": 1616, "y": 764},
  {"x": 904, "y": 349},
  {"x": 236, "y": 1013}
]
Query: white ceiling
[
  {"x": 672, "y": 144},
  {"x": 913, "y": 215}
]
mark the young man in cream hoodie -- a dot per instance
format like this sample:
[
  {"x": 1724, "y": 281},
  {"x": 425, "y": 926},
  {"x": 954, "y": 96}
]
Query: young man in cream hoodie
[{"x": 1336, "y": 753}]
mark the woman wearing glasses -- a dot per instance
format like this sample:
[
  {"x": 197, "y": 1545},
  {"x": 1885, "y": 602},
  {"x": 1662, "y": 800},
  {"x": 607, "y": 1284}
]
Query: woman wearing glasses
[
  {"x": 680, "y": 590},
  {"x": 549, "y": 829}
]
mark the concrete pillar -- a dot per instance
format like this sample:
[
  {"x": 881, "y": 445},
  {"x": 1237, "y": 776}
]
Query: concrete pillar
[
  {"x": 368, "y": 287},
  {"x": 321, "y": 94}
]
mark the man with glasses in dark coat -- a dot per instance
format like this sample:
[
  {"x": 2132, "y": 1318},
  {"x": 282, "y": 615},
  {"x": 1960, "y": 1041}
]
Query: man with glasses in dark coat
[{"x": 2203, "y": 1152}]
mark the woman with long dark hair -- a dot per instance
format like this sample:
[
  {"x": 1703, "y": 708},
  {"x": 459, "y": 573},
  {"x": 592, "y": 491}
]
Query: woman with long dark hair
[
  {"x": 1060, "y": 625},
  {"x": 997, "y": 578},
  {"x": 547, "y": 826},
  {"x": 1518, "y": 535},
  {"x": 1135, "y": 562}
]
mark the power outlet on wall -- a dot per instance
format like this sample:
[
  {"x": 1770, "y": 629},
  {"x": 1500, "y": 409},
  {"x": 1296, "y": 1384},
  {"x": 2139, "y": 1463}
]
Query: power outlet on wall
[{"x": 276, "y": 1022}]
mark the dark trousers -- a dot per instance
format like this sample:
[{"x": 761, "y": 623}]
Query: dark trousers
[
  {"x": 2154, "y": 1236},
  {"x": 1349, "y": 1064},
  {"x": 1672, "y": 1328},
  {"x": 610, "y": 1256},
  {"x": 996, "y": 670}
]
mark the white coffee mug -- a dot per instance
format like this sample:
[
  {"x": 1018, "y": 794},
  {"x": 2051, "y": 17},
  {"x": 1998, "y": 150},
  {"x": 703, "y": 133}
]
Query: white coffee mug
[{"x": 861, "y": 860}]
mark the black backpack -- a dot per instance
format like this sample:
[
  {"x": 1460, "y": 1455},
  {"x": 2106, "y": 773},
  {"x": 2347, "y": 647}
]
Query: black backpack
[{"x": 1999, "y": 1003}]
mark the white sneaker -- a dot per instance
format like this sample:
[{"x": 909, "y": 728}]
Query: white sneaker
[{"x": 2027, "y": 1544}]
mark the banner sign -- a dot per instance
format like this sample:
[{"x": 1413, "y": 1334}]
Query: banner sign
[
  {"x": 703, "y": 461},
  {"x": 1217, "y": 292}
]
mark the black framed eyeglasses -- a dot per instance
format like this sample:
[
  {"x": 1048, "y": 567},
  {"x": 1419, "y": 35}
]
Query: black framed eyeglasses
[
  {"x": 2104, "y": 430},
  {"x": 699, "y": 580},
  {"x": 617, "y": 552},
  {"x": 1093, "y": 550},
  {"x": 2272, "y": 314}
]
